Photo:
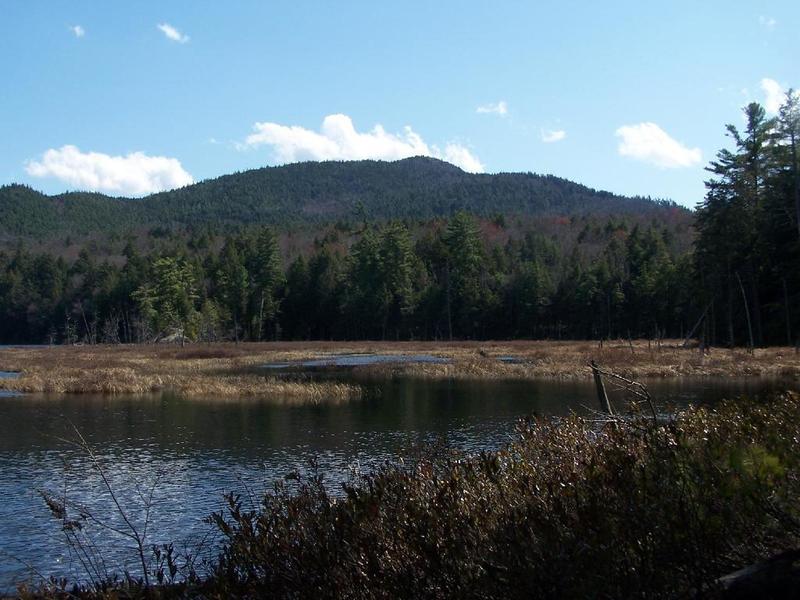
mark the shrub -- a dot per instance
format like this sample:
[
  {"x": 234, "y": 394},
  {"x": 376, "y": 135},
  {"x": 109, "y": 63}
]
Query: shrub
[
  {"x": 568, "y": 509},
  {"x": 565, "y": 510}
]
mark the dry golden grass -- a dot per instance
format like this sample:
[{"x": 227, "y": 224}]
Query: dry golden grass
[
  {"x": 228, "y": 370},
  {"x": 569, "y": 360},
  {"x": 223, "y": 371}
]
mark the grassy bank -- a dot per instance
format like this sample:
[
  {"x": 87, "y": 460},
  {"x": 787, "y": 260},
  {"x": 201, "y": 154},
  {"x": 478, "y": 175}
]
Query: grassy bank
[
  {"x": 568, "y": 360},
  {"x": 229, "y": 370},
  {"x": 566, "y": 510},
  {"x": 219, "y": 371}
]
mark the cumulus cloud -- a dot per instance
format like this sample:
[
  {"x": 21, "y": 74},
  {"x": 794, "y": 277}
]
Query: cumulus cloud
[
  {"x": 339, "y": 140},
  {"x": 554, "y": 135},
  {"x": 774, "y": 95},
  {"x": 172, "y": 33},
  {"x": 460, "y": 156},
  {"x": 135, "y": 174},
  {"x": 493, "y": 108},
  {"x": 649, "y": 143},
  {"x": 77, "y": 31},
  {"x": 767, "y": 22}
]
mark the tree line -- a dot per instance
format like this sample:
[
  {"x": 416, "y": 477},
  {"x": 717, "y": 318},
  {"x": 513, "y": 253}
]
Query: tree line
[
  {"x": 447, "y": 280},
  {"x": 747, "y": 257},
  {"x": 460, "y": 277}
]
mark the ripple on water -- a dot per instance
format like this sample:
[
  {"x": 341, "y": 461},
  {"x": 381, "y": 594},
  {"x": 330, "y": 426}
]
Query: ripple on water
[{"x": 191, "y": 453}]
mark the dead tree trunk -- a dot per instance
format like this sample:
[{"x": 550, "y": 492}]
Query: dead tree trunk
[
  {"x": 261, "y": 317},
  {"x": 746, "y": 311},
  {"x": 602, "y": 396},
  {"x": 449, "y": 307},
  {"x": 731, "y": 335},
  {"x": 758, "y": 329},
  {"x": 788, "y": 314},
  {"x": 696, "y": 325}
]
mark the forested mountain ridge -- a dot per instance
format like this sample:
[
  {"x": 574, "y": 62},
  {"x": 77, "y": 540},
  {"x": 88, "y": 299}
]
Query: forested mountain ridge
[
  {"x": 586, "y": 265},
  {"x": 25, "y": 212},
  {"x": 316, "y": 192}
]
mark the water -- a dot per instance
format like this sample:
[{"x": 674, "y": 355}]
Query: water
[
  {"x": 8, "y": 375},
  {"x": 358, "y": 360},
  {"x": 197, "y": 450}
]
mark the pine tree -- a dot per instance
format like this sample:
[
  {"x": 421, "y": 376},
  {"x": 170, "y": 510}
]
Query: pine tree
[
  {"x": 267, "y": 278},
  {"x": 233, "y": 283}
]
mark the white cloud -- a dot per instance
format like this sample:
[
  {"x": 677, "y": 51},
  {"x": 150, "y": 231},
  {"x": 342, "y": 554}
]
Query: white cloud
[
  {"x": 78, "y": 31},
  {"x": 339, "y": 140},
  {"x": 133, "y": 175},
  {"x": 767, "y": 22},
  {"x": 493, "y": 108},
  {"x": 172, "y": 33},
  {"x": 550, "y": 136},
  {"x": 649, "y": 143},
  {"x": 774, "y": 95},
  {"x": 460, "y": 156}
]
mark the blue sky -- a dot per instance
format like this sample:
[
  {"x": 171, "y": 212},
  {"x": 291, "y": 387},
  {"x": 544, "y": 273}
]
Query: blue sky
[{"x": 631, "y": 97}]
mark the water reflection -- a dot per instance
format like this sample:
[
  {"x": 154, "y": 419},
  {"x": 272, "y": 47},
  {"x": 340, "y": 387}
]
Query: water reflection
[
  {"x": 196, "y": 450},
  {"x": 359, "y": 360}
]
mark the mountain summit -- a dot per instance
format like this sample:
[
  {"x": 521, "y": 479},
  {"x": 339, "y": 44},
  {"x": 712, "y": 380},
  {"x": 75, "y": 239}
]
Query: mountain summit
[{"x": 311, "y": 193}]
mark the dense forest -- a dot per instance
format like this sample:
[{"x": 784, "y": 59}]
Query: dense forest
[
  {"x": 313, "y": 193},
  {"x": 747, "y": 257},
  {"x": 421, "y": 250},
  {"x": 446, "y": 278}
]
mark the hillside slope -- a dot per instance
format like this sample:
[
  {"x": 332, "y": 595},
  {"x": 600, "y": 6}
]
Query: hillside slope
[{"x": 315, "y": 192}]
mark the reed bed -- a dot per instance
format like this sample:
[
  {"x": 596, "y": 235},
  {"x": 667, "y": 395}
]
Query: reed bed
[
  {"x": 231, "y": 370},
  {"x": 223, "y": 372},
  {"x": 569, "y": 360}
]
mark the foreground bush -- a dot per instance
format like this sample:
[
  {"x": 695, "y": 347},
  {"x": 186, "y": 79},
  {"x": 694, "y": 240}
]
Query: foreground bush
[
  {"x": 563, "y": 511},
  {"x": 567, "y": 510}
]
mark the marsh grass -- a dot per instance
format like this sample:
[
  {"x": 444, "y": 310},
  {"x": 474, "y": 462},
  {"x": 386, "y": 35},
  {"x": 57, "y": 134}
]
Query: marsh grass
[
  {"x": 224, "y": 371},
  {"x": 569, "y": 360},
  {"x": 227, "y": 370}
]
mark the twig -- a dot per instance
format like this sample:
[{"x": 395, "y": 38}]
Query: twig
[
  {"x": 133, "y": 532},
  {"x": 634, "y": 387}
]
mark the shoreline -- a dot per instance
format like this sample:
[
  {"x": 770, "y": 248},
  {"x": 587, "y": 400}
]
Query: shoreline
[{"x": 226, "y": 369}]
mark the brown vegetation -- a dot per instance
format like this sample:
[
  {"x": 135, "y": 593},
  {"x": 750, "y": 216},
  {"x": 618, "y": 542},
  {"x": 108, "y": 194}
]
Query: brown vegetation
[
  {"x": 222, "y": 371},
  {"x": 565, "y": 511},
  {"x": 230, "y": 370},
  {"x": 569, "y": 360}
]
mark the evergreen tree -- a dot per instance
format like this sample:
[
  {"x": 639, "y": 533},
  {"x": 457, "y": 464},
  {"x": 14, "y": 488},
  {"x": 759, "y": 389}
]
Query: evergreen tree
[
  {"x": 465, "y": 257},
  {"x": 267, "y": 278},
  {"x": 233, "y": 284},
  {"x": 166, "y": 301},
  {"x": 399, "y": 267},
  {"x": 732, "y": 225}
]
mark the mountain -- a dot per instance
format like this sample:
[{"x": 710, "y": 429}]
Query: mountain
[{"x": 315, "y": 193}]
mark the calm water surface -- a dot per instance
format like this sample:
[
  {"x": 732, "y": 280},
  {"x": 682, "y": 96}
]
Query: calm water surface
[{"x": 194, "y": 451}]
